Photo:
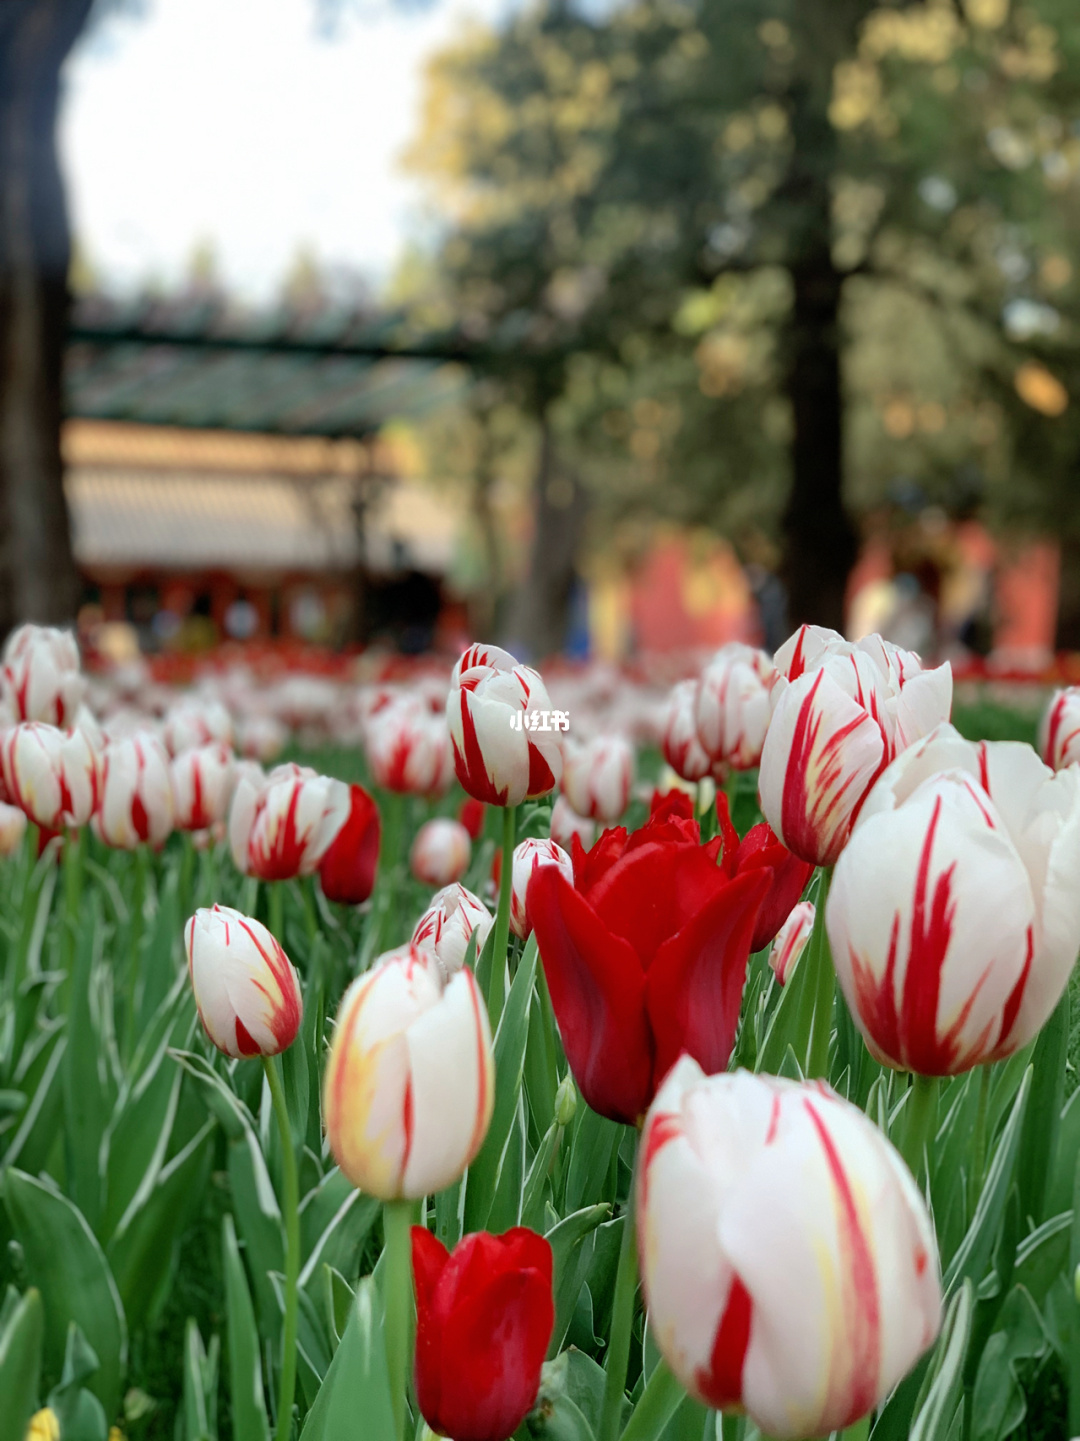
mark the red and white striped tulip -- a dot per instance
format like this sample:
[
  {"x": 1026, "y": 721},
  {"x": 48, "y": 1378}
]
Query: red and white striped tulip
[
  {"x": 566, "y": 824},
  {"x": 440, "y": 852},
  {"x": 193, "y": 722},
  {"x": 50, "y": 774},
  {"x": 202, "y": 778},
  {"x": 791, "y": 941},
  {"x": 528, "y": 857},
  {"x": 789, "y": 1264},
  {"x": 285, "y": 828},
  {"x": 733, "y": 705},
  {"x": 491, "y": 710},
  {"x": 136, "y": 804},
  {"x": 12, "y": 828},
  {"x": 261, "y": 738},
  {"x": 682, "y": 749},
  {"x": 408, "y": 748},
  {"x": 446, "y": 927},
  {"x": 410, "y": 1083},
  {"x": 597, "y": 777},
  {"x": 954, "y": 911},
  {"x": 41, "y": 677},
  {"x": 246, "y": 990},
  {"x": 1059, "y": 731},
  {"x": 841, "y": 713}
]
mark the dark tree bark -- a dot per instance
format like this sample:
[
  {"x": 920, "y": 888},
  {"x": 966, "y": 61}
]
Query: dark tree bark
[{"x": 38, "y": 577}]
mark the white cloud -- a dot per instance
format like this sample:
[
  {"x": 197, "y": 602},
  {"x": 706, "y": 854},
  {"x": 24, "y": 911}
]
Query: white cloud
[{"x": 234, "y": 121}]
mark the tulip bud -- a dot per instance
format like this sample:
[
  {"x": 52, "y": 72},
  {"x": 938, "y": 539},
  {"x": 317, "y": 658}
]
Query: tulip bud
[
  {"x": 192, "y": 723},
  {"x": 41, "y": 676},
  {"x": 841, "y": 713},
  {"x": 12, "y": 829},
  {"x": 249, "y": 783},
  {"x": 791, "y": 941},
  {"x": 597, "y": 777},
  {"x": 954, "y": 914},
  {"x": 202, "y": 779},
  {"x": 446, "y": 927},
  {"x": 495, "y": 711},
  {"x": 408, "y": 748},
  {"x": 566, "y": 1100},
  {"x": 293, "y": 820},
  {"x": 789, "y": 1264},
  {"x": 410, "y": 1082},
  {"x": 440, "y": 852},
  {"x": 51, "y": 775},
  {"x": 347, "y": 870},
  {"x": 565, "y": 824},
  {"x": 246, "y": 990},
  {"x": 528, "y": 856},
  {"x": 484, "y": 1318},
  {"x": 262, "y": 738},
  {"x": 682, "y": 749},
  {"x": 1059, "y": 731},
  {"x": 732, "y": 705},
  {"x": 136, "y": 801}
]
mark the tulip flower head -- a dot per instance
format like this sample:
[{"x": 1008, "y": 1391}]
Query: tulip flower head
[
  {"x": 50, "y": 774},
  {"x": 954, "y": 912},
  {"x": 202, "y": 779},
  {"x": 791, "y": 941},
  {"x": 484, "y": 1318},
  {"x": 597, "y": 776},
  {"x": 347, "y": 869},
  {"x": 1059, "y": 730},
  {"x": 682, "y": 749},
  {"x": 284, "y": 828},
  {"x": 471, "y": 816},
  {"x": 733, "y": 707},
  {"x": 440, "y": 852},
  {"x": 246, "y": 990},
  {"x": 446, "y": 927},
  {"x": 789, "y": 1264},
  {"x": 12, "y": 828},
  {"x": 492, "y": 709},
  {"x": 41, "y": 678},
  {"x": 193, "y": 722},
  {"x": 410, "y": 1083},
  {"x": 136, "y": 803},
  {"x": 528, "y": 857},
  {"x": 565, "y": 824},
  {"x": 841, "y": 713},
  {"x": 408, "y": 748}
]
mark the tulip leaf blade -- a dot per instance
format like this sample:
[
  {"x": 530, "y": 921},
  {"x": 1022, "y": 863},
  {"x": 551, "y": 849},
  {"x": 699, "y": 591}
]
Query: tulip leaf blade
[
  {"x": 86, "y": 1104},
  {"x": 248, "y": 1404},
  {"x": 221, "y": 1100},
  {"x": 356, "y": 1384},
  {"x": 200, "y": 1385},
  {"x": 595, "y": 1138},
  {"x": 572, "y": 1258},
  {"x": 944, "y": 1381},
  {"x": 1042, "y": 1121},
  {"x": 21, "y": 1344},
  {"x": 793, "y": 1023}
]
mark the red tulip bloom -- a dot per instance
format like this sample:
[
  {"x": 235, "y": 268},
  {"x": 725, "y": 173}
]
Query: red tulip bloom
[
  {"x": 484, "y": 1318},
  {"x": 471, "y": 816},
  {"x": 347, "y": 870},
  {"x": 645, "y": 954},
  {"x": 759, "y": 849}
]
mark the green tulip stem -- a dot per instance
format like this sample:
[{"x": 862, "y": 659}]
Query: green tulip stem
[
  {"x": 388, "y": 879},
  {"x": 921, "y": 1108},
  {"x": 978, "y": 1156},
  {"x": 141, "y": 857},
  {"x": 187, "y": 871},
  {"x": 292, "y": 1249},
  {"x": 497, "y": 980},
  {"x": 397, "y": 1298},
  {"x": 276, "y": 902},
  {"x": 622, "y": 1322},
  {"x": 858, "y": 1431},
  {"x": 822, "y": 987},
  {"x": 657, "y": 1404},
  {"x": 73, "y": 886}
]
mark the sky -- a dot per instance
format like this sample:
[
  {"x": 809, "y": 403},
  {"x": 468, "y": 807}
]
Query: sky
[{"x": 236, "y": 122}]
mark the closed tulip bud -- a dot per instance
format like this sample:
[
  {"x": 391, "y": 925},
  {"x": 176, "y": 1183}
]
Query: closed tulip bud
[
  {"x": 41, "y": 675},
  {"x": 408, "y": 748},
  {"x": 841, "y": 713},
  {"x": 495, "y": 711},
  {"x": 347, "y": 870},
  {"x": 293, "y": 821},
  {"x": 732, "y": 705},
  {"x": 202, "y": 779},
  {"x": 682, "y": 750},
  {"x": 440, "y": 852},
  {"x": 565, "y": 824},
  {"x": 791, "y": 941},
  {"x": 246, "y": 990},
  {"x": 193, "y": 722},
  {"x": 528, "y": 856},
  {"x": 249, "y": 782},
  {"x": 446, "y": 927},
  {"x": 410, "y": 1082},
  {"x": 954, "y": 913},
  {"x": 1059, "y": 731},
  {"x": 12, "y": 828},
  {"x": 484, "y": 1318},
  {"x": 597, "y": 777},
  {"x": 262, "y": 738},
  {"x": 789, "y": 1264},
  {"x": 136, "y": 801},
  {"x": 50, "y": 774}
]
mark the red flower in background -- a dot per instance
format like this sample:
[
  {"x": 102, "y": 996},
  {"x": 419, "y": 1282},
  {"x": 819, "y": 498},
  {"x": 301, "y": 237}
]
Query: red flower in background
[
  {"x": 484, "y": 1318},
  {"x": 645, "y": 954},
  {"x": 471, "y": 815},
  {"x": 347, "y": 870}
]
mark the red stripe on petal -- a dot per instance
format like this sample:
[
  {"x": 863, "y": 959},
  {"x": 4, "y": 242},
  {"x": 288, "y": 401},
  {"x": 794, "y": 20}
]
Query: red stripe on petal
[{"x": 721, "y": 1384}]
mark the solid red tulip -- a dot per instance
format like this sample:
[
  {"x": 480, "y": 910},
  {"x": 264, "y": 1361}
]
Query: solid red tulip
[
  {"x": 484, "y": 1318},
  {"x": 645, "y": 955},
  {"x": 347, "y": 870}
]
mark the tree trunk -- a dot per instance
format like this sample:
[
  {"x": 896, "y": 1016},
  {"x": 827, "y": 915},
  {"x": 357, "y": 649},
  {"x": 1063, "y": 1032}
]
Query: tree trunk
[
  {"x": 820, "y": 543},
  {"x": 542, "y": 605},
  {"x": 38, "y": 578}
]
